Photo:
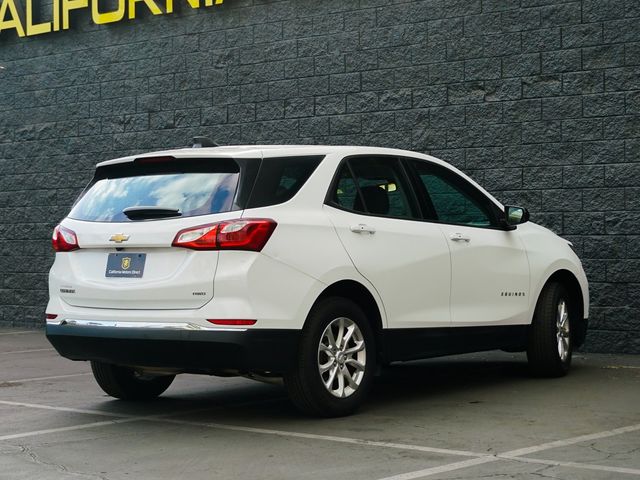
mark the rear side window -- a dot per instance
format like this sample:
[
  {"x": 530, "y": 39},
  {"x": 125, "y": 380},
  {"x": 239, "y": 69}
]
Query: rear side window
[
  {"x": 279, "y": 179},
  {"x": 345, "y": 193},
  {"x": 379, "y": 187},
  {"x": 193, "y": 186}
]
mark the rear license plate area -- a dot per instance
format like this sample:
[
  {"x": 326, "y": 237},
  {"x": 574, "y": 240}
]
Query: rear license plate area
[{"x": 126, "y": 265}]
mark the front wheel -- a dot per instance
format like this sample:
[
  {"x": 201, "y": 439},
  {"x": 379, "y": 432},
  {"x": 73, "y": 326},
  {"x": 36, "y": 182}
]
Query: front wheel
[
  {"x": 336, "y": 360},
  {"x": 550, "y": 345},
  {"x": 127, "y": 384}
]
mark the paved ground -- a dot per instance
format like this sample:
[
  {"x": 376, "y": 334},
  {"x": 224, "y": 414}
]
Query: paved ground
[{"x": 472, "y": 416}]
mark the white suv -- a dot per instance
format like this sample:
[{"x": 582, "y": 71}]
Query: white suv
[{"x": 315, "y": 264}]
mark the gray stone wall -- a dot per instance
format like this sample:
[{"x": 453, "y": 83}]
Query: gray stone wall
[{"x": 539, "y": 100}]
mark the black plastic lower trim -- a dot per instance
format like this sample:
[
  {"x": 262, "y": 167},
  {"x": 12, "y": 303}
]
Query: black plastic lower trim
[
  {"x": 189, "y": 351},
  {"x": 266, "y": 350},
  {"x": 400, "y": 344}
]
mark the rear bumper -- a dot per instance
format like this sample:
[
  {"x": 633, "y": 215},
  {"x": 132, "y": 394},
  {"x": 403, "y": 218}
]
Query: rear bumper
[{"x": 192, "y": 351}]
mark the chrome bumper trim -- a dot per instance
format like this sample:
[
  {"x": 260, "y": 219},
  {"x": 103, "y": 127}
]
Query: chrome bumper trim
[{"x": 140, "y": 325}]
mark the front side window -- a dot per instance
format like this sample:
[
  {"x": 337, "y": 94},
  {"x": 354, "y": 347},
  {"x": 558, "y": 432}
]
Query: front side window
[
  {"x": 452, "y": 199},
  {"x": 373, "y": 185}
]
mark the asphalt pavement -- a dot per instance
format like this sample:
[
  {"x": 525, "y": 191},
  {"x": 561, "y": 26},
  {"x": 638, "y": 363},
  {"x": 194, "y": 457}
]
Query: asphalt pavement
[{"x": 464, "y": 417}]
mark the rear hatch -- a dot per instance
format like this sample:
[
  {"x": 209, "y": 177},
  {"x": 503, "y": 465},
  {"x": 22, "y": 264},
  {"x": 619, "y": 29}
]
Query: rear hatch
[{"x": 125, "y": 223}]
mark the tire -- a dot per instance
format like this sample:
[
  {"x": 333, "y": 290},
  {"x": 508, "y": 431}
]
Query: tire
[
  {"x": 550, "y": 341},
  {"x": 313, "y": 391},
  {"x": 125, "y": 383}
]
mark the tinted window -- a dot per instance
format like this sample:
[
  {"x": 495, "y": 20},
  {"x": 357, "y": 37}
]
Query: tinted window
[
  {"x": 195, "y": 187},
  {"x": 279, "y": 179},
  {"x": 345, "y": 193},
  {"x": 451, "y": 198},
  {"x": 379, "y": 187}
]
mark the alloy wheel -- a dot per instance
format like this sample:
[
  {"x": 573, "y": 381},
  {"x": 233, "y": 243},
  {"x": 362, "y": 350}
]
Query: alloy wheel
[
  {"x": 342, "y": 357},
  {"x": 562, "y": 330}
]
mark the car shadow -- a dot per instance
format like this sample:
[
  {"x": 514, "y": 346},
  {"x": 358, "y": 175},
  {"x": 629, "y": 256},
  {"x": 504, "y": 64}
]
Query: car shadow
[{"x": 398, "y": 387}]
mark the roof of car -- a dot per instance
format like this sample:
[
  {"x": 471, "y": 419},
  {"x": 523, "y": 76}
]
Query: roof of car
[
  {"x": 265, "y": 151},
  {"x": 275, "y": 151}
]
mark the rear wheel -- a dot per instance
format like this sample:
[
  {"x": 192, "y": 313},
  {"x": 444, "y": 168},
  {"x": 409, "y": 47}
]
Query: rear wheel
[
  {"x": 336, "y": 361},
  {"x": 550, "y": 347},
  {"x": 127, "y": 384}
]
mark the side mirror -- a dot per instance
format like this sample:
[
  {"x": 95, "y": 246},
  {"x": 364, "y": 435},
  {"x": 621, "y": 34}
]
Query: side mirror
[{"x": 515, "y": 215}]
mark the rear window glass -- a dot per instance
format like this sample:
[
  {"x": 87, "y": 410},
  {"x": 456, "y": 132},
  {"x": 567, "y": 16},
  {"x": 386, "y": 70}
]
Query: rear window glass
[
  {"x": 279, "y": 179},
  {"x": 194, "y": 187}
]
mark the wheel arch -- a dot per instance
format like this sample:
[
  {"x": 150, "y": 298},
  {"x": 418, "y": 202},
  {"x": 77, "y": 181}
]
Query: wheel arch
[
  {"x": 572, "y": 284},
  {"x": 359, "y": 294}
]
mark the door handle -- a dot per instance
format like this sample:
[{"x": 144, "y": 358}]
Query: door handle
[
  {"x": 362, "y": 228},
  {"x": 458, "y": 237}
]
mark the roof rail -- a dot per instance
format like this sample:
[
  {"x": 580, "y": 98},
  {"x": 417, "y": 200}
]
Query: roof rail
[{"x": 202, "y": 142}]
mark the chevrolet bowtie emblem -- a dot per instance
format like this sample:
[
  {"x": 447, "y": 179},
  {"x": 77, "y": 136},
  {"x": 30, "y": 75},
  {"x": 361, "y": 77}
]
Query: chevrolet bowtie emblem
[{"x": 119, "y": 238}]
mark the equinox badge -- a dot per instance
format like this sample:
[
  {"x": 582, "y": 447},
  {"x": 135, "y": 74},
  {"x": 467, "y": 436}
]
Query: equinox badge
[{"x": 119, "y": 238}]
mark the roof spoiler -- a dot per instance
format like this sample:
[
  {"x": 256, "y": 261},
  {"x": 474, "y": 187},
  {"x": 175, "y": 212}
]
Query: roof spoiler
[{"x": 203, "y": 142}]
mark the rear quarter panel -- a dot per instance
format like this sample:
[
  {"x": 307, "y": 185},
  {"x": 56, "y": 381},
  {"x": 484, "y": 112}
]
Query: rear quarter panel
[{"x": 306, "y": 242}]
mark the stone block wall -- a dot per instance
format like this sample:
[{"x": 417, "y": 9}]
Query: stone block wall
[{"x": 539, "y": 100}]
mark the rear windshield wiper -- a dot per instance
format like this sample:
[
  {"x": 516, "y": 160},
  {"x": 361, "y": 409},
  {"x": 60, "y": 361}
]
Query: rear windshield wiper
[{"x": 144, "y": 213}]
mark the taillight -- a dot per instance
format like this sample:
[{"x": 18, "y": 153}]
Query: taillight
[
  {"x": 64, "y": 240},
  {"x": 242, "y": 234}
]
